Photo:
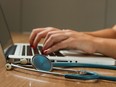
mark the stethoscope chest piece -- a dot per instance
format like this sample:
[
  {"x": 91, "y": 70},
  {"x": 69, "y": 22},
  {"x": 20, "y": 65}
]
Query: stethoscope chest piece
[{"x": 41, "y": 62}]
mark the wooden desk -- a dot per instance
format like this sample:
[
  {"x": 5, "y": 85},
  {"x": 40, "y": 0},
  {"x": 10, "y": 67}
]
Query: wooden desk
[{"x": 24, "y": 78}]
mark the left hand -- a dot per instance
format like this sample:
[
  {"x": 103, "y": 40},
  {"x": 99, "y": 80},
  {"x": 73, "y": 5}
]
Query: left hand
[{"x": 56, "y": 40}]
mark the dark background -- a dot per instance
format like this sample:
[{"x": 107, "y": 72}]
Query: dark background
[{"x": 81, "y": 15}]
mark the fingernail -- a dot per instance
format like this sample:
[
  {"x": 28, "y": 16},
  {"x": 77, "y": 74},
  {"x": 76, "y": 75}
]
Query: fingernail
[
  {"x": 34, "y": 47},
  {"x": 31, "y": 45},
  {"x": 42, "y": 51},
  {"x": 45, "y": 52}
]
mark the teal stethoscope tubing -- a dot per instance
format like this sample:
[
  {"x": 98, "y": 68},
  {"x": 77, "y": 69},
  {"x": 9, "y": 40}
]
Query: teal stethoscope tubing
[
  {"x": 110, "y": 78},
  {"x": 85, "y": 65}
]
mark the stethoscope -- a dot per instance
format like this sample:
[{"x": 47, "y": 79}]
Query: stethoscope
[{"x": 42, "y": 64}]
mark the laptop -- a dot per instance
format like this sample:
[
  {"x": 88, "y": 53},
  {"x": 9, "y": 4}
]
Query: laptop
[{"x": 14, "y": 52}]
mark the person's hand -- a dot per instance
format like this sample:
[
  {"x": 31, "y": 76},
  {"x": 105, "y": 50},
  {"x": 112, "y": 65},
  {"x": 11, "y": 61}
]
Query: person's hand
[
  {"x": 56, "y": 40},
  {"x": 39, "y": 33}
]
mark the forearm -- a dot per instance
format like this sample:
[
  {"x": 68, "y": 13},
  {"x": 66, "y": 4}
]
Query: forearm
[
  {"x": 104, "y": 33},
  {"x": 106, "y": 46}
]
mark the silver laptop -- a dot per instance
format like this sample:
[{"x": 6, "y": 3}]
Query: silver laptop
[{"x": 17, "y": 51}]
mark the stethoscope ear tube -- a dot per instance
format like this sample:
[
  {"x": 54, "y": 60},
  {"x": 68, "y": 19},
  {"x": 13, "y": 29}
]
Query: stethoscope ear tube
[
  {"x": 87, "y": 76},
  {"x": 84, "y": 65},
  {"x": 110, "y": 78}
]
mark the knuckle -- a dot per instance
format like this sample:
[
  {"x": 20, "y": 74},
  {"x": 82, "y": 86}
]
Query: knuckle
[
  {"x": 53, "y": 37},
  {"x": 49, "y": 28},
  {"x": 34, "y": 30},
  {"x": 68, "y": 30},
  {"x": 39, "y": 35},
  {"x": 49, "y": 34}
]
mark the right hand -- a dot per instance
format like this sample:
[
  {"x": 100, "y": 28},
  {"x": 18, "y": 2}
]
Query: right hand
[{"x": 39, "y": 33}]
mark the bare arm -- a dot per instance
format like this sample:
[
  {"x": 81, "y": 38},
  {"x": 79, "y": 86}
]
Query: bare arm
[
  {"x": 104, "y": 33},
  {"x": 106, "y": 46}
]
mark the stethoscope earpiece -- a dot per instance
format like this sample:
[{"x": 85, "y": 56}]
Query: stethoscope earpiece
[{"x": 8, "y": 66}]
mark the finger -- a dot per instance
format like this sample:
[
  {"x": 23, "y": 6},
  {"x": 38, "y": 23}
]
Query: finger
[
  {"x": 33, "y": 35},
  {"x": 37, "y": 30},
  {"x": 38, "y": 37},
  {"x": 53, "y": 39},
  {"x": 41, "y": 35},
  {"x": 63, "y": 44},
  {"x": 51, "y": 33}
]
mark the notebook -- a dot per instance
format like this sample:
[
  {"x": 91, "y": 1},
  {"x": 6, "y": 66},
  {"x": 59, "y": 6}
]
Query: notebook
[{"x": 16, "y": 51}]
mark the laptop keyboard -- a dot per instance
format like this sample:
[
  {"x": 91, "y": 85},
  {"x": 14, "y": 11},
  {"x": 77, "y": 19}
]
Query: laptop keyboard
[{"x": 29, "y": 51}]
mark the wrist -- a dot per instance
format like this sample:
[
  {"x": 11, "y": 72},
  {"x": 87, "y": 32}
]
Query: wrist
[
  {"x": 89, "y": 44},
  {"x": 89, "y": 33},
  {"x": 92, "y": 45},
  {"x": 98, "y": 44}
]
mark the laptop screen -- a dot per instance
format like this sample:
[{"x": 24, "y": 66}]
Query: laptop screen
[{"x": 5, "y": 37}]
